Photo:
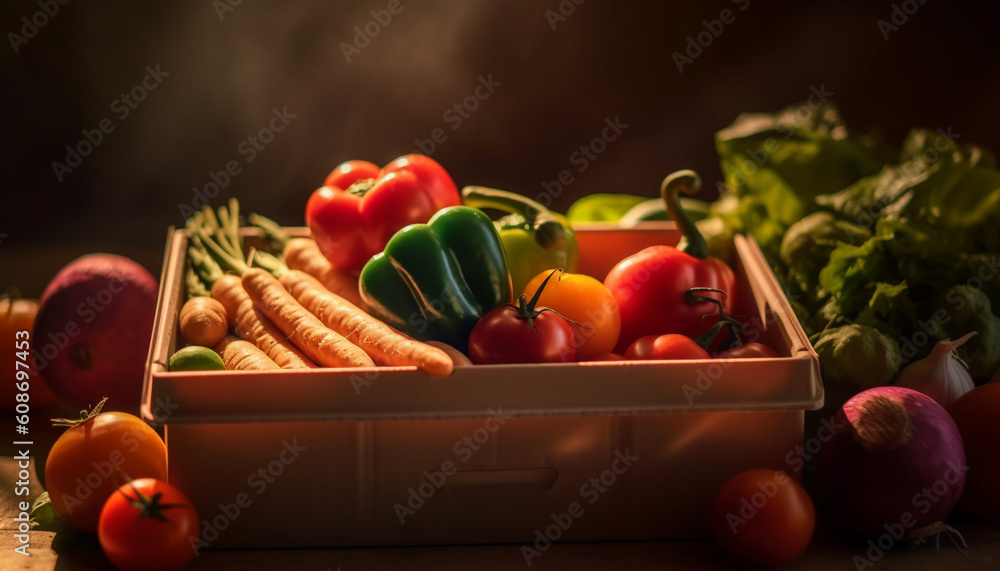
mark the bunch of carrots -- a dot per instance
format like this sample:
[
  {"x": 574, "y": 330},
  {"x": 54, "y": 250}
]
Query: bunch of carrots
[{"x": 264, "y": 311}]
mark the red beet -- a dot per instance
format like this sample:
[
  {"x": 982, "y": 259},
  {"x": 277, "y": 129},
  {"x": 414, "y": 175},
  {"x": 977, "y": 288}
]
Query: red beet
[{"x": 92, "y": 333}]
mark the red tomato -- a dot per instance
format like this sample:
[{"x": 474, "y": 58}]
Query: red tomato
[
  {"x": 17, "y": 322},
  {"x": 504, "y": 336},
  {"x": 751, "y": 350},
  {"x": 975, "y": 413},
  {"x": 89, "y": 461},
  {"x": 669, "y": 346},
  {"x": 360, "y": 206},
  {"x": 763, "y": 517},
  {"x": 147, "y": 525}
]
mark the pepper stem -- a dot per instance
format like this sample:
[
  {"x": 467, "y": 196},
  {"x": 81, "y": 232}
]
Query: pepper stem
[
  {"x": 548, "y": 231},
  {"x": 360, "y": 187},
  {"x": 688, "y": 182}
]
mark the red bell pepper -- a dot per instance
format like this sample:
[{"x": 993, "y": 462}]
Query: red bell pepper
[
  {"x": 650, "y": 285},
  {"x": 360, "y": 206}
]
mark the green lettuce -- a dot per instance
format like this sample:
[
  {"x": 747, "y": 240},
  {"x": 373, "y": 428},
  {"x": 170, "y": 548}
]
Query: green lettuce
[
  {"x": 859, "y": 234},
  {"x": 778, "y": 163}
]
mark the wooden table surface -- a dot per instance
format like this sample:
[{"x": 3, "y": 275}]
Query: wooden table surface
[{"x": 828, "y": 550}]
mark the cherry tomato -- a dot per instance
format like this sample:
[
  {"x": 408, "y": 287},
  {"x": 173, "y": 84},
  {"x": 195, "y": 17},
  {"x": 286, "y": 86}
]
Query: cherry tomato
[
  {"x": 763, "y": 517},
  {"x": 89, "y": 461},
  {"x": 586, "y": 302},
  {"x": 753, "y": 350},
  {"x": 669, "y": 346},
  {"x": 147, "y": 525},
  {"x": 17, "y": 322},
  {"x": 504, "y": 336}
]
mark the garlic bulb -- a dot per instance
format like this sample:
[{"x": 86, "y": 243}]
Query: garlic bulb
[{"x": 940, "y": 375}]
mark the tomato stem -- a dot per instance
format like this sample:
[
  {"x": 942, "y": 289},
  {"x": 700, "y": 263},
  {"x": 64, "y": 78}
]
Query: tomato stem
[
  {"x": 705, "y": 339},
  {"x": 85, "y": 415},
  {"x": 688, "y": 182},
  {"x": 526, "y": 309},
  {"x": 735, "y": 327},
  {"x": 538, "y": 292},
  {"x": 149, "y": 506},
  {"x": 11, "y": 293}
]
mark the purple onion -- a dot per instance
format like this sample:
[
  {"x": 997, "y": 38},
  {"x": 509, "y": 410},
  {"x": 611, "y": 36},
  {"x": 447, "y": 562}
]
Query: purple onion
[{"x": 895, "y": 463}]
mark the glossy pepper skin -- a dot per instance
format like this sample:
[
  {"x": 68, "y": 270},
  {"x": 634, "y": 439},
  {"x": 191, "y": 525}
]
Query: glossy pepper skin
[
  {"x": 435, "y": 280},
  {"x": 360, "y": 206},
  {"x": 650, "y": 285},
  {"x": 535, "y": 238}
]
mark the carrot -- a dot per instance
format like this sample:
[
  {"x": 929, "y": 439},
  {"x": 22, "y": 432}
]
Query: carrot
[
  {"x": 252, "y": 325},
  {"x": 240, "y": 355},
  {"x": 322, "y": 345},
  {"x": 382, "y": 342},
  {"x": 303, "y": 254},
  {"x": 457, "y": 356},
  {"x": 203, "y": 321}
]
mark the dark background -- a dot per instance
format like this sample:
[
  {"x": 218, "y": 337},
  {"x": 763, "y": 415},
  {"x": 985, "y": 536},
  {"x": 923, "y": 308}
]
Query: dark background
[{"x": 941, "y": 68}]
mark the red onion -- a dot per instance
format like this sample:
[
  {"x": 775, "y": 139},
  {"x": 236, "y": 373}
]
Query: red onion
[{"x": 894, "y": 465}]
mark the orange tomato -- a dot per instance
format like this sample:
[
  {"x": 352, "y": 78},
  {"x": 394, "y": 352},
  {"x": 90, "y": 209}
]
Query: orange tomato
[
  {"x": 593, "y": 311},
  {"x": 92, "y": 459},
  {"x": 17, "y": 322}
]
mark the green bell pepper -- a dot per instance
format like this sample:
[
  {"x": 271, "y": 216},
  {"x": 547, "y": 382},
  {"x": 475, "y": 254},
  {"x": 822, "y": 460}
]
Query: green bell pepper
[
  {"x": 434, "y": 281},
  {"x": 628, "y": 209},
  {"x": 534, "y": 238},
  {"x": 602, "y": 207}
]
